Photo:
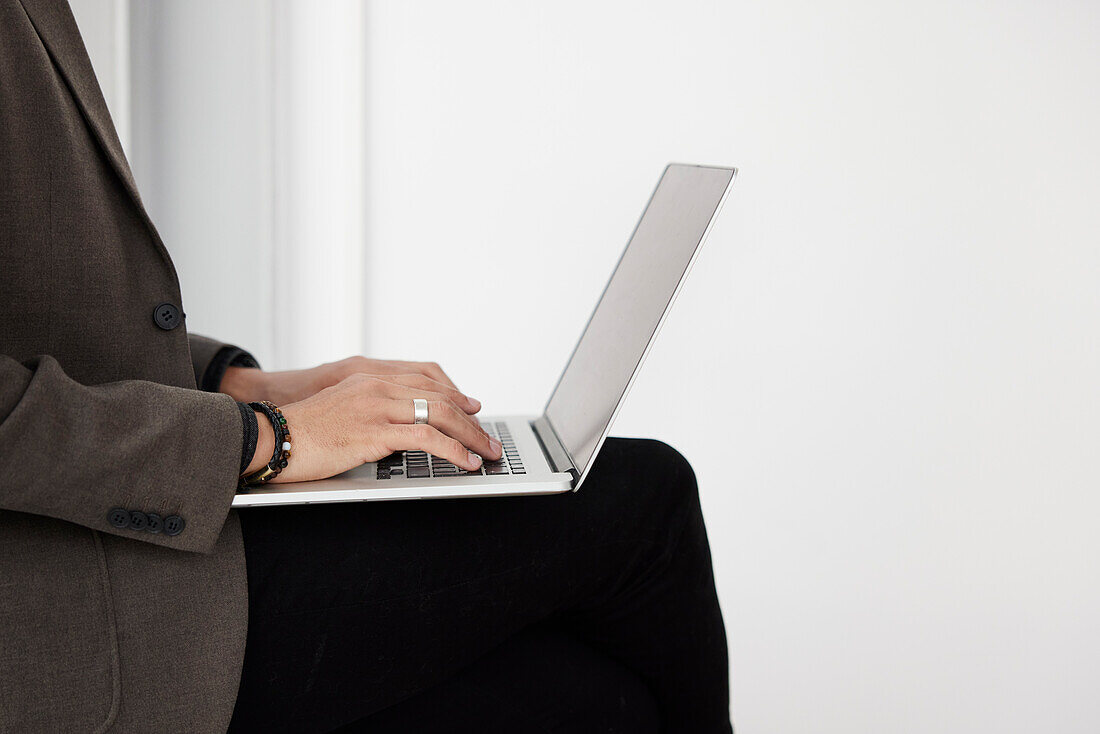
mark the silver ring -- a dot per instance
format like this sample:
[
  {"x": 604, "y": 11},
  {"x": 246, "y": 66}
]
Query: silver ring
[{"x": 420, "y": 410}]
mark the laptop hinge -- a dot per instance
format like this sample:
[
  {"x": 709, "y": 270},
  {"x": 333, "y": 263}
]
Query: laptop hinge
[{"x": 556, "y": 455}]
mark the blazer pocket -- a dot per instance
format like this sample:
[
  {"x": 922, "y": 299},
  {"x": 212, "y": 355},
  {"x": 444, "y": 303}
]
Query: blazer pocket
[{"x": 59, "y": 660}]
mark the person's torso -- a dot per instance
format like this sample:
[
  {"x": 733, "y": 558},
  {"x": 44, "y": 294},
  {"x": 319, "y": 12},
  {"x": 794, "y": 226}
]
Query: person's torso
[
  {"x": 97, "y": 632},
  {"x": 81, "y": 270}
]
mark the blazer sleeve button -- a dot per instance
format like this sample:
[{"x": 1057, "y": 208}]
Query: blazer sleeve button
[
  {"x": 119, "y": 518},
  {"x": 167, "y": 316},
  {"x": 138, "y": 520},
  {"x": 156, "y": 524},
  {"x": 173, "y": 525}
]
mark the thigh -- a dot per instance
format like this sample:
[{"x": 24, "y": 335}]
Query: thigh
[
  {"x": 541, "y": 681},
  {"x": 354, "y": 607}
]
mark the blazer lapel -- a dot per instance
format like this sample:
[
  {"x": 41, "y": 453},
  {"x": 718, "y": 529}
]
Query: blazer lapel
[{"x": 56, "y": 26}]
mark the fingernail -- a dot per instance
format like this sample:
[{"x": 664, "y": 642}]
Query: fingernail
[
  {"x": 496, "y": 445},
  {"x": 475, "y": 459},
  {"x": 474, "y": 403}
]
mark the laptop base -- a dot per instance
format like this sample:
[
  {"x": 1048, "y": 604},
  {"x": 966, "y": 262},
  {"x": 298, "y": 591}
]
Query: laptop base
[{"x": 363, "y": 484}]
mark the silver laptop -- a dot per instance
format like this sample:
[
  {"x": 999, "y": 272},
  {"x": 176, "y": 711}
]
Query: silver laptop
[{"x": 555, "y": 451}]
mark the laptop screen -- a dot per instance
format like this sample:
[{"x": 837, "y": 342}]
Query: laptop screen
[{"x": 631, "y": 308}]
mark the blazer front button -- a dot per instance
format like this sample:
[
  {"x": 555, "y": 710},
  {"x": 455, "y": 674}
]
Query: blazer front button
[
  {"x": 119, "y": 518},
  {"x": 167, "y": 316},
  {"x": 173, "y": 525}
]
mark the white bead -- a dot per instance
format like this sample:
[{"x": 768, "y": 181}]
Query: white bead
[{"x": 286, "y": 445}]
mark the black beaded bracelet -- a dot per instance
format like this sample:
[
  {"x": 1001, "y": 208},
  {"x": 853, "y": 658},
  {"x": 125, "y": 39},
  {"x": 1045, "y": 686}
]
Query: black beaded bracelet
[
  {"x": 250, "y": 436},
  {"x": 281, "y": 456}
]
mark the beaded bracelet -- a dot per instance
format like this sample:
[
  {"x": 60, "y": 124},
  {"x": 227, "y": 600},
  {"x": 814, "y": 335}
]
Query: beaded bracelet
[{"x": 282, "y": 445}]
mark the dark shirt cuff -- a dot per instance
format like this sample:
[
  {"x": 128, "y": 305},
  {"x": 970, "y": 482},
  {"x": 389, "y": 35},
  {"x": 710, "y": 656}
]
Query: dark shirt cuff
[
  {"x": 226, "y": 357},
  {"x": 251, "y": 435}
]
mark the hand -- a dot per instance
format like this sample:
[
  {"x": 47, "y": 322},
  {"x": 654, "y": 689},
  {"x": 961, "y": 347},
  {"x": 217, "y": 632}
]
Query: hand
[
  {"x": 364, "y": 418},
  {"x": 247, "y": 385}
]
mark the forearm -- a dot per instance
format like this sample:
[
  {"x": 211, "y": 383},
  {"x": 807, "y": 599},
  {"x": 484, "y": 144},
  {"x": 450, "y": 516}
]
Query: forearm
[
  {"x": 212, "y": 359},
  {"x": 244, "y": 384},
  {"x": 75, "y": 452},
  {"x": 250, "y": 385}
]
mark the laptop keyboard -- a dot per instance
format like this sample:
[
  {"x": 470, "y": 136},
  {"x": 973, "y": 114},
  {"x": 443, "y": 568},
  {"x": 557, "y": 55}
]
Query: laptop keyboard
[{"x": 422, "y": 465}]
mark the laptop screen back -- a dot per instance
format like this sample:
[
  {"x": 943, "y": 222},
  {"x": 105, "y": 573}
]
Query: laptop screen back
[{"x": 628, "y": 314}]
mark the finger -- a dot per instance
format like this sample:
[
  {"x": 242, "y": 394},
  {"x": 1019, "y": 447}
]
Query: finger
[
  {"x": 451, "y": 420},
  {"x": 397, "y": 391},
  {"x": 423, "y": 382},
  {"x": 434, "y": 371},
  {"x": 386, "y": 387},
  {"x": 423, "y": 437}
]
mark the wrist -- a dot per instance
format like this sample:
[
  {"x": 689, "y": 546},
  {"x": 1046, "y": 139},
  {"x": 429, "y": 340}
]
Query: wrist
[{"x": 244, "y": 384}]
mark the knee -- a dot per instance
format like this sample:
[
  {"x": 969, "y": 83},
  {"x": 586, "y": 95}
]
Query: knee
[
  {"x": 655, "y": 460},
  {"x": 673, "y": 465},
  {"x": 656, "y": 477}
]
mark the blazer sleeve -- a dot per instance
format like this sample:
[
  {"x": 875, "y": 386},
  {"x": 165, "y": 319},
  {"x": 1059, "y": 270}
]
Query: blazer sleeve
[
  {"x": 83, "y": 453},
  {"x": 211, "y": 358}
]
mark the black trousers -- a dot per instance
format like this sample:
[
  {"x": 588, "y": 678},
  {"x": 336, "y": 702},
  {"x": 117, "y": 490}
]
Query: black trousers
[{"x": 592, "y": 611}]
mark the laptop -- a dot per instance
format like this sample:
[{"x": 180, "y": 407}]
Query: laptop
[{"x": 554, "y": 452}]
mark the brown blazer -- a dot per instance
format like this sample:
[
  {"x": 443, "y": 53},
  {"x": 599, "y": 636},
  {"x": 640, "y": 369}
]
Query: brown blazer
[{"x": 102, "y": 628}]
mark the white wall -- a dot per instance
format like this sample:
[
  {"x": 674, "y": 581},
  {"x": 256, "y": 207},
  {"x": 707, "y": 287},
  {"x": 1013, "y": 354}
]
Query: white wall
[{"x": 896, "y": 319}]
